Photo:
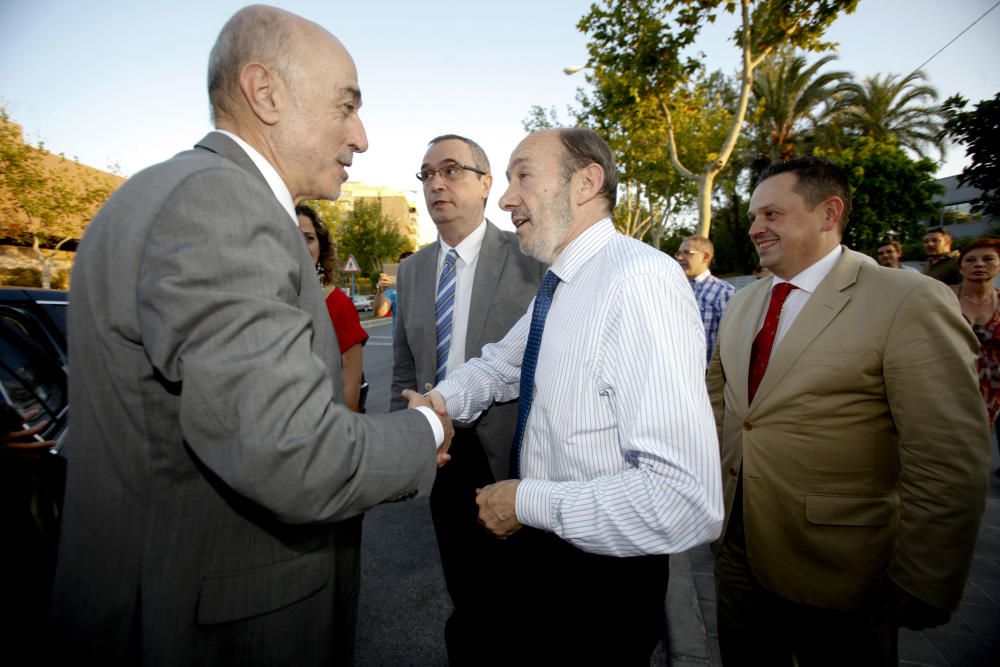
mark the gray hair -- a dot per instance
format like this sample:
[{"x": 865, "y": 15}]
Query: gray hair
[
  {"x": 257, "y": 33},
  {"x": 479, "y": 159},
  {"x": 585, "y": 147}
]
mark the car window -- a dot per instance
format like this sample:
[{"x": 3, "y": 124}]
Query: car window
[{"x": 32, "y": 379}]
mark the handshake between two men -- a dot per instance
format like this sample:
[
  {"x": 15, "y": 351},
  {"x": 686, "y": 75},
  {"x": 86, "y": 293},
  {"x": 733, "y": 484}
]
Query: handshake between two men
[{"x": 496, "y": 501}]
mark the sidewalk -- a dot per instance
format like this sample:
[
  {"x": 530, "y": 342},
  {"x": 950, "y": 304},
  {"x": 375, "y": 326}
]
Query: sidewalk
[{"x": 971, "y": 639}]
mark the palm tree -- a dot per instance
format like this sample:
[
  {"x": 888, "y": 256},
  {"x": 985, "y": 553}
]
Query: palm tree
[
  {"x": 888, "y": 106},
  {"x": 793, "y": 98}
]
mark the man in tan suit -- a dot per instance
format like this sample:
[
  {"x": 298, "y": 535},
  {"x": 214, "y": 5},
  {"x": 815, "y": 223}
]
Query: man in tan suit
[{"x": 852, "y": 498}]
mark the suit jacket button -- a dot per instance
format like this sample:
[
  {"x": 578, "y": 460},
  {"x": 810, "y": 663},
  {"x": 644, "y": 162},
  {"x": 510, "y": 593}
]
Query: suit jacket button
[
  {"x": 747, "y": 426},
  {"x": 732, "y": 472},
  {"x": 428, "y": 386}
]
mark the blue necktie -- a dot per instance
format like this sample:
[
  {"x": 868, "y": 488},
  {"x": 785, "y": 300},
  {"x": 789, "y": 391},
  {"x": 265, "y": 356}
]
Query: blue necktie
[
  {"x": 542, "y": 302},
  {"x": 444, "y": 306}
]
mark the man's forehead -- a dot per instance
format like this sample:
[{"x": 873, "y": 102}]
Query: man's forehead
[{"x": 447, "y": 150}]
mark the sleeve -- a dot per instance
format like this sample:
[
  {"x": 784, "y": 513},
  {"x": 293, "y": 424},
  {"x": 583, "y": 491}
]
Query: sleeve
[
  {"x": 345, "y": 320},
  {"x": 220, "y": 319},
  {"x": 653, "y": 373},
  {"x": 944, "y": 444},
  {"x": 493, "y": 377}
]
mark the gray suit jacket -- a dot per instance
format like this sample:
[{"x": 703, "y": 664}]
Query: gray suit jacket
[
  {"x": 505, "y": 283},
  {"x": 213, "y": 469}
]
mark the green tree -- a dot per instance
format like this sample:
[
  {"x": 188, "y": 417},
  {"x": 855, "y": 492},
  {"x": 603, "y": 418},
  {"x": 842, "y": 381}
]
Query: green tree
[
  {"x": 372, "y": 237},
  {"x": 891, "y": 191},
  {"x": 44, "y": 202},
  {"x": 793, "y": 98},
  {"x": 636, "y": 44},
  {"x": 979, "y": 131},
  {"x": 888, "y": 106}
]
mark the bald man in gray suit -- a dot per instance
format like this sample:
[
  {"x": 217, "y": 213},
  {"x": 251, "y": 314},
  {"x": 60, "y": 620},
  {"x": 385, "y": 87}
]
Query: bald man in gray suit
[{"x": 216, "y": 479}]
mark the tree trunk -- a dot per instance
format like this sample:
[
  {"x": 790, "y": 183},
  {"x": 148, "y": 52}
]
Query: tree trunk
[{"x": 706, "y": 182}]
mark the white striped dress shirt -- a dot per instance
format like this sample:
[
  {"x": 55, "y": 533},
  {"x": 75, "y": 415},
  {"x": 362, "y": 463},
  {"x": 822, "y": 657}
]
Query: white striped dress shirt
[{"x": 620, "y": 452}]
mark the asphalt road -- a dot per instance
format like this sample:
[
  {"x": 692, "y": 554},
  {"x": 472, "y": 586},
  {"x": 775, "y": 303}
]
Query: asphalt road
[{"x": 404, "y": 603}]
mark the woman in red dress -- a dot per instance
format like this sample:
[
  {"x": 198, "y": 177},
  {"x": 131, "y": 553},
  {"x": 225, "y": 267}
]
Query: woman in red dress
[{"x": 343, "y": 314}]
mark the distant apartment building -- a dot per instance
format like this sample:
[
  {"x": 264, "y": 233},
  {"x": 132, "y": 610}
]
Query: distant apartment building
[{"x": 398, "y": 205}]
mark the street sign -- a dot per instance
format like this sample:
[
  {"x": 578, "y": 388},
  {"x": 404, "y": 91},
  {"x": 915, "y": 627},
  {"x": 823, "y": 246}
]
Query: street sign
[{"x": 351, "y": 266}]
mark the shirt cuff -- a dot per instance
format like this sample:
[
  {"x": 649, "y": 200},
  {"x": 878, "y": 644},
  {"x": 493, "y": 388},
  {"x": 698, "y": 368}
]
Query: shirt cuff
[
  {"x": 435, "y": 423},
  {"x": 534, "y": 503}
]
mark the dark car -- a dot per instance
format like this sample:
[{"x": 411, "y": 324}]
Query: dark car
[{"x": 33, "y": 392}]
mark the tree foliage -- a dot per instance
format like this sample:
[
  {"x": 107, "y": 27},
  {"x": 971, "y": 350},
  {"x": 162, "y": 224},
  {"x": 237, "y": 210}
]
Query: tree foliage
[
  {"x": 979, "y": 131},
  {"x": 891, "y": 191},
  {"x": 371, "y": 236},
  {"x": 45, "y": 201},
  {"x": 890, "y": 106},
  {"x": 635, "y": 52},
  {"x": 793, "y": 98}
]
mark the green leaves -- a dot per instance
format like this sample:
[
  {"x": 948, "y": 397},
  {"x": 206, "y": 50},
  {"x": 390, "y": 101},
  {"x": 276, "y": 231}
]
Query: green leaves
[{"x": 979, "y": 131}]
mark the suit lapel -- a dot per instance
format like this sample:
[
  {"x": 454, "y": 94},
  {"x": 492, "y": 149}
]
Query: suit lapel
[
  {"x": 823, "y": 306},
  {"x": 738, "y": 347},
  {"x": 489, "y": 268}
]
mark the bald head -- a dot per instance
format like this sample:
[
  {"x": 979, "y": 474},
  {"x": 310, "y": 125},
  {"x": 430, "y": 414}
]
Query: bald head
[{"x": 255, "y": 34}]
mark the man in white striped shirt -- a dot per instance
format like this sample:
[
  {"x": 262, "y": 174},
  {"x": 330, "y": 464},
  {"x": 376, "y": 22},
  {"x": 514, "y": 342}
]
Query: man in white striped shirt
[{"x": 618, "y": 463}]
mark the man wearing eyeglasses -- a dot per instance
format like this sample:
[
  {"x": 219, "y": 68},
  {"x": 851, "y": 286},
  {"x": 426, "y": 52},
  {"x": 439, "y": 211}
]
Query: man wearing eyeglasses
[
  {"x": 454, "y": 297},
  {"x": 695, "y": 256}
]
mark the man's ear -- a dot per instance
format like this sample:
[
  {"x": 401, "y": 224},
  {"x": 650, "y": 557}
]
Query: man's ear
[
  {"x": 589, "y": 182},
  {"x": 833, "y": 211},
  {"x": 262, "y": 90}
]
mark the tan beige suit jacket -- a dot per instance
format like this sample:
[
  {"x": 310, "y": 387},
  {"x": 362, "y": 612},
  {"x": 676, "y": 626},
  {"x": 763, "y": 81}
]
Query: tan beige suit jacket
[{"x": 866, "y": 448}]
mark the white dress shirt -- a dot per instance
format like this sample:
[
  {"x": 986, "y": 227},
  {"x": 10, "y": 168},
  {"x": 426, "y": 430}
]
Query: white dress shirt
[
  {"x": 465, "y": 274},
  {"x": 284, "y": 197},
  {"x": 620, "y": 454},
  {"x": 807, "y": 281}
]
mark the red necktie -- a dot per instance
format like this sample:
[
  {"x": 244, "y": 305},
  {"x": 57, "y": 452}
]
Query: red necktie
[{"x": 760, "y": 352}]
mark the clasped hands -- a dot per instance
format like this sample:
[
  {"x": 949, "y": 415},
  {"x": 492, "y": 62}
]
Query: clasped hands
[
  {"x": 435, "y": 401},
  {"x": 497, "y": 501}
]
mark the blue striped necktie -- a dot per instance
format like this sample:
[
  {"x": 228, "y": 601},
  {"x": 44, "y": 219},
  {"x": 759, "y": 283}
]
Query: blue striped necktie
[
  {"x": 444, "y": 306},
  {"x": 538, "y": 314}
]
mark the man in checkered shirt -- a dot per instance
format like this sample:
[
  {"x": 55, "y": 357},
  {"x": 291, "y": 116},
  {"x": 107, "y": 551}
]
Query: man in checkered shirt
[{"x": 712, "y": 294}]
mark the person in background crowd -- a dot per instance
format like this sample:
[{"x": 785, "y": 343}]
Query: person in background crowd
[
  {"x": 761, "y": 272},
  {"x": 385, "y": 294},
  {"x": 889, "y": 255},
  {"x": 979, "y": 263},
  {"x": 852, "y": 500},
  {"x": 351, "y": 337},
  {"x": 695, "y": 256},
  {"x": 942, "y": 261}
]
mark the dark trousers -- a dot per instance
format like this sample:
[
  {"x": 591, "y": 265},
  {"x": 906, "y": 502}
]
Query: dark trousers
[
  {"x": 476, "y": 566},
  {"x": 757, "y": 627},
  {"x": 574, "y": 607}
]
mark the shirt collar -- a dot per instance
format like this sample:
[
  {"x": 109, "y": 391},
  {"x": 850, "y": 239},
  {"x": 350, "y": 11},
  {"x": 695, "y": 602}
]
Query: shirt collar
[
  {"x": 270, "y": 175},
  {"x": 468, "y": 249},
  {"x": 701, "y": 277},
  {"x": 582, "y": 248},
  {"x": 809, "y": 279}
]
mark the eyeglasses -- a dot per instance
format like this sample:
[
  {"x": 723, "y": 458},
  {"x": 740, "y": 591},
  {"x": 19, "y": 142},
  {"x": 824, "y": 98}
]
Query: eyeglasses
[
  {"x": 688, "y": 253},
  {"x": 449, "y": 172}
]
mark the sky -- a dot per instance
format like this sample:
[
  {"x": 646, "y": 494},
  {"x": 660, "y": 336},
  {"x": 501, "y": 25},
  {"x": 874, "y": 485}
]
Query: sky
[{"x": 114, "y": 82}]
